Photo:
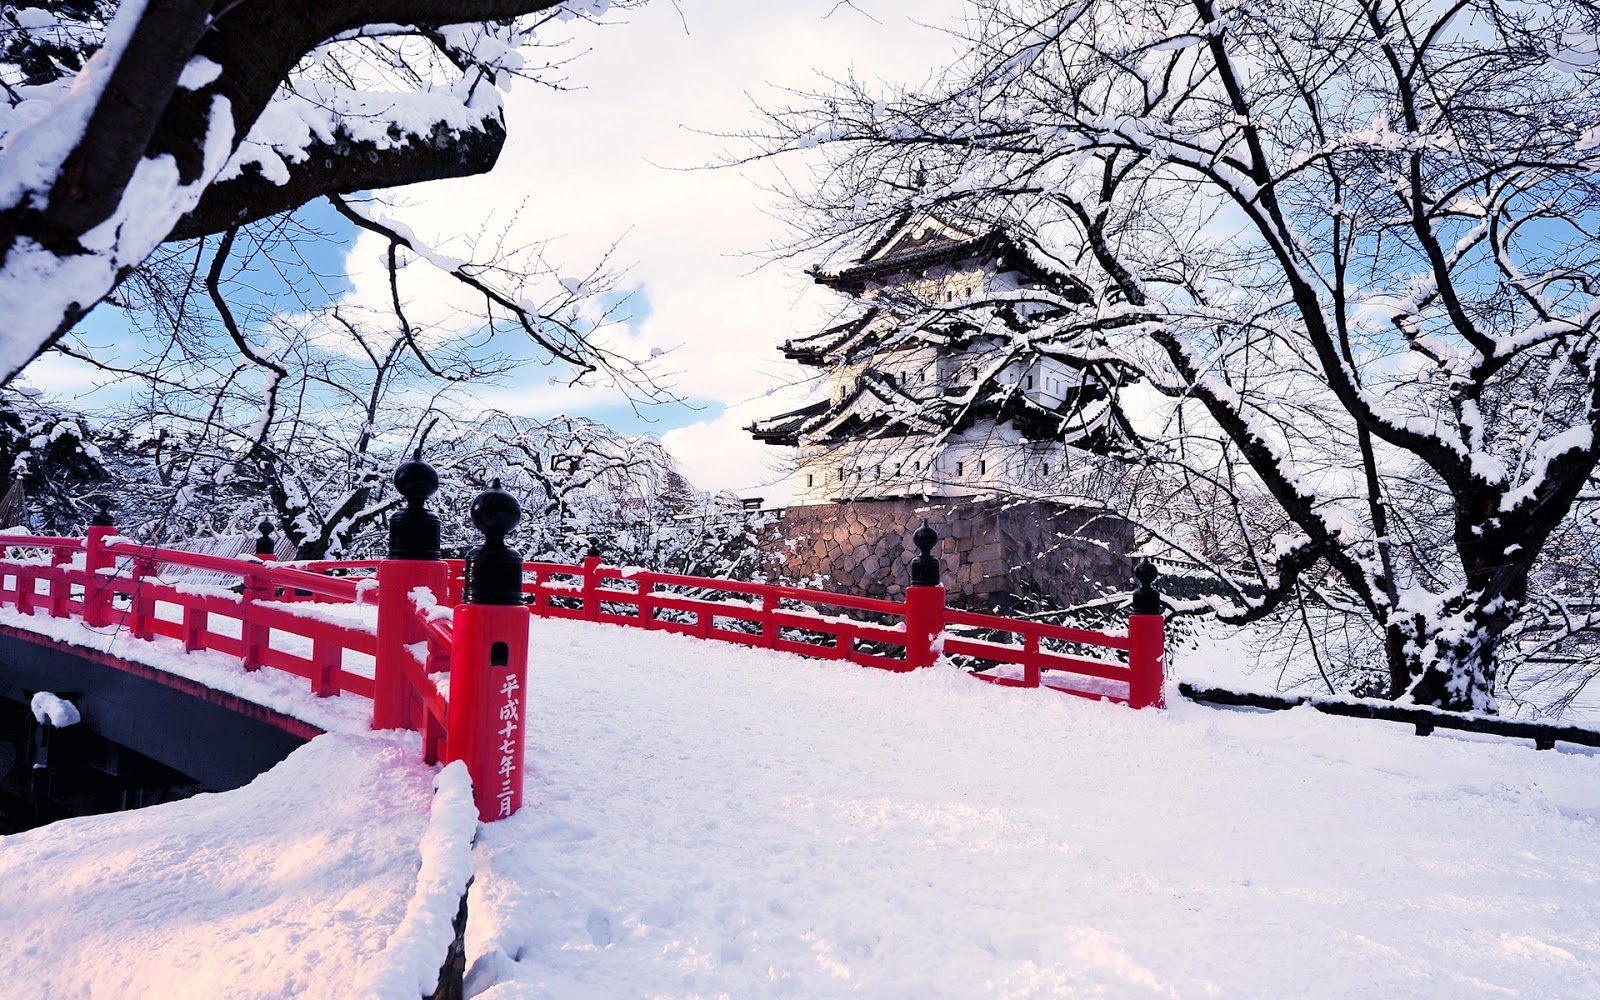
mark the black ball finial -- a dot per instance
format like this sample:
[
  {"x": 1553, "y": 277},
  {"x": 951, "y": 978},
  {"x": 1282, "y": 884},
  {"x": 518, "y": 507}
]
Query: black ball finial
[
  {"x": 925, "y": 567},
  {"x": 494, "y": 570},
  {"x": 1146, "y": 598},
  {"x": 594, "y": 547},
  {"x": 416, "y": 480},
  {"x": 413, "y": 531},
  {"x": 495, "y": 512},
  {"x": 102, "y": 517},
  {"x": 265, "y": 546}
]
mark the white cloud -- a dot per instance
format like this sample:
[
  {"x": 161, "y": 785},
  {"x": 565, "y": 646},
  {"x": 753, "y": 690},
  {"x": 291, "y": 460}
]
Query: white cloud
[{"x": 719, "y": 454}]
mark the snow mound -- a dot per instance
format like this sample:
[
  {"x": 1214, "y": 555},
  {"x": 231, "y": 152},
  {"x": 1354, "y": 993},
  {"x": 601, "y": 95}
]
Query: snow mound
[{"x": 281, "y": 888}]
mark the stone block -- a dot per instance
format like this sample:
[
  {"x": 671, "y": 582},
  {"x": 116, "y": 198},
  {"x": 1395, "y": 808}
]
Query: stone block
[{"x": 986, "y": 552}]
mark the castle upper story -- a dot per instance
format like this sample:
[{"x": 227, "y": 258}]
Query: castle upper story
[{"x": 917, "y": 398}]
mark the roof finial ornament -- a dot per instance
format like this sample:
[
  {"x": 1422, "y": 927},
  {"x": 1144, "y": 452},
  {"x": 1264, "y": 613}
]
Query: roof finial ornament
[{"x": 925, "y": 567}]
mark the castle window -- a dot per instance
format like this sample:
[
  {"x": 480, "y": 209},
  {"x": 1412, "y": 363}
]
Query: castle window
[
  {"x": 960, "y": 468},
  {"x": 811, "y": 479},
  {"x": 1028, "y": 384},
  {"x": 983, "y": 466},
  {"x": 841, "y": 473},
  {"x": 1047, "y": 468}
]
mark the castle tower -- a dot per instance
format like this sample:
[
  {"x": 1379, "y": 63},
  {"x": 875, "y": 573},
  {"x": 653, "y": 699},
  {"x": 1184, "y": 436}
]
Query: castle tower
[
  {"x": 921, "y": 400},
  {"x": 928, "y": 413}
]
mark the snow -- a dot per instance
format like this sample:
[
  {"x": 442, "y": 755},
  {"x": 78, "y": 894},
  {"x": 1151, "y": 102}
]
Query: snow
[
  {"x": 289, "y": 887},
  {"x": 706, "y": 820},
  {"x": 408, "y": 967},
  {"x": 48, "y": 707},
  {"x": 274, "y": 689}
]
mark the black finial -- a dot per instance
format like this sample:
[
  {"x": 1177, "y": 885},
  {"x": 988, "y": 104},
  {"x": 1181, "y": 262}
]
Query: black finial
[
  {"x": 1146, "y": 598},
  {"x": 925, "y": 567},
  {"x": 413, "y": 531},
  {"x": 102, "y": 519},
  {"x": 494, "y": 571},
  {"x": 265, "y": 546},
  {"x": 594, "y": 547}
]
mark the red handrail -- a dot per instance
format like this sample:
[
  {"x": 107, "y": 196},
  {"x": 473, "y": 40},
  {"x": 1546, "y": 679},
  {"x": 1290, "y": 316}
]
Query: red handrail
[{"x": 1103, "y": 665}]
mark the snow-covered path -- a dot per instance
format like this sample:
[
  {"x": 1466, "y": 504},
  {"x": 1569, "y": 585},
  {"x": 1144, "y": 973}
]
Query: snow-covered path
[{"x": 708, "y": 821}]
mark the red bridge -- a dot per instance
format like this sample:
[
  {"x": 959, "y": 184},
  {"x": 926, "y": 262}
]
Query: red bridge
[{"x": 440, "y": 646}]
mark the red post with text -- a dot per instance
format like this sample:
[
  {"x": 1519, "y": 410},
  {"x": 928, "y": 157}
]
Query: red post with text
[
  {"x": 1146, "y": 642},
  {"x": 925, "y": 602},
  {"x": 489, "y": 663}
]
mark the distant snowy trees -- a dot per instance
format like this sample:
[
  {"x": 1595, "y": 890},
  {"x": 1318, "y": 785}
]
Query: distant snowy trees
[
  {"x": 322, "y": 475},
  {"x": 127, "y": 125},
  {"x": 1344, "y": 253}
]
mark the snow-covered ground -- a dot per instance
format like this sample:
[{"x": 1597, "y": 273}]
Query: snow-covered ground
[
  {"x": 709, "y": 821},
  {"x": 293, "y": 886}
]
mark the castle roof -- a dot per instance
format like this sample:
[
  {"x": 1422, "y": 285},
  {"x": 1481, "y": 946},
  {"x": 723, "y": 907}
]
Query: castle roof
[
  {"x": 879, "y": 407},
  {"x": 915, "y": 243}
]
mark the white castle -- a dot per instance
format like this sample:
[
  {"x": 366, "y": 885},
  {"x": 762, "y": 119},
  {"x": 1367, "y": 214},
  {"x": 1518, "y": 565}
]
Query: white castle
[{"x": 935, "y": 408}]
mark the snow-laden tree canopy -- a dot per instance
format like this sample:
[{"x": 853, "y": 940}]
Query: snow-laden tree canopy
[
  {"x": 1349, "y": 243},
  {"x": 126, "y": 124}
]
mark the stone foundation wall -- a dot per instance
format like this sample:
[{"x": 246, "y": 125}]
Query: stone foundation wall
[{"x": 991, "y": 553}]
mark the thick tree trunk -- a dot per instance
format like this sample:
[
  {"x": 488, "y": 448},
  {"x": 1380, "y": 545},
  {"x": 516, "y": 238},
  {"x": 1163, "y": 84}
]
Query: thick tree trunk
[{"x": 1451, "y": 660}]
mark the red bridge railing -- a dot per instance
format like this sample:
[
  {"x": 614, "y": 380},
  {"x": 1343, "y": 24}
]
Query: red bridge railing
[
  {"x": 899, "y": 635},
  {"x": 439, "y": 622}
]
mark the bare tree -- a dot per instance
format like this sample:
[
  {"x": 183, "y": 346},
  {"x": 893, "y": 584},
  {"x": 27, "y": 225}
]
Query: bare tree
[
  {"x": 137, "y": 124},
  {"x": 1345, "y": 249}
]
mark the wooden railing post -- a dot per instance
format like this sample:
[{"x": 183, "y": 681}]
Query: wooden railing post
[
  {"x": 60, "y": 584},
  {"x": 253, "y": 635},
  {"x": 489, "y": 663},
  {"x": 1146, "y": 642},
  {"x": 769, "y": 623},
  {"x": 25, "y": 587},
  {"x": 591, "y": 582},
  {"x": 142, "y": 607},
  {"x": 97, "y": 586},
  {"x": 413, "y": 561},
  {"x": 925, "y": 603}
]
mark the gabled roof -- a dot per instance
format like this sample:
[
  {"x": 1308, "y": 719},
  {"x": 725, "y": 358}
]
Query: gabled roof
[
  {"x": 786, "y": 428},
  {"x": 915, "y": 242},
  {"x": 819, "y": 347},
  {"x": 915, "y": 236},
  {"x": 876, "y": 406}
]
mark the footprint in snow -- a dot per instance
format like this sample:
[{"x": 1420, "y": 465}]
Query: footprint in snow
[{"x": 599, "y": 927}]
